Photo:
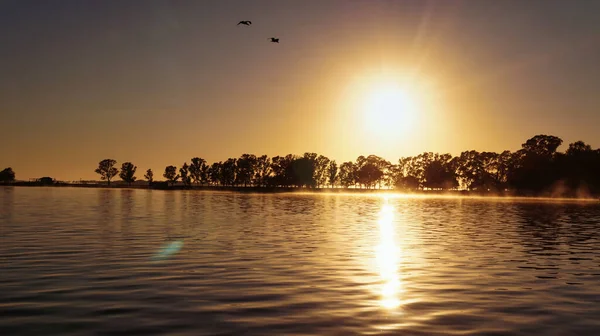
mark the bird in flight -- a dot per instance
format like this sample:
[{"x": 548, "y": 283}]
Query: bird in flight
[
  {"x": 274, "y": 40},
  {"x": 247, "y": 23}
]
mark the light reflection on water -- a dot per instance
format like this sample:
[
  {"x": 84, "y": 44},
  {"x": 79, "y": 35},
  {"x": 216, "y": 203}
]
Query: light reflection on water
[
  {"x": 387, "y": 254},
  {"x": 80, "y": 262}
]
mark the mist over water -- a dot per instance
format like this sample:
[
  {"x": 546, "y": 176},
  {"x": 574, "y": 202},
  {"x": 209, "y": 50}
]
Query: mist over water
[{"x": 79, "y": 261}]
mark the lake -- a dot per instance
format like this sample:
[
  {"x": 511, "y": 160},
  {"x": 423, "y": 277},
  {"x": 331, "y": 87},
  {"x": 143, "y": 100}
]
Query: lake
[{"x": 77, "y": 261}]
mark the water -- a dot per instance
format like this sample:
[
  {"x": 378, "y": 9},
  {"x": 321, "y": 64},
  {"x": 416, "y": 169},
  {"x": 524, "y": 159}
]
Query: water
[{"x": 77, "y": 261}]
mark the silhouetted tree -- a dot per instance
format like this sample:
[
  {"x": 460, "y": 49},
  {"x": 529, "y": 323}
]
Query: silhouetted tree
[
  {"x": 578, "y": 148},
  {"x": 214, "y": 173},
  {"x": 204, "y": 173},
  {"x": 332, "y": 173},
  {"x": 502, "y": 167},
  {"x": 246, "y": 165},
  {"x": 106, "y": 169},
  {"x": 321, "y": 170},
  {"x": 303, "y": 171},
  {"x": 127, "y": 173},
  {"x": 439, "y": 174},
  {"x": 228, "y": 172},
  {"x": 384, "y": 166},
  {"x": 283, "y": 174},
  {"x": 480, "y": 171},
  {"x": 171, "y": 174},
  {"x": 310, "y": 156},
  {"x": 7, "y": 175},
  {"x": 469, "y": 168},
  {"x": 368, "y": 174},
  {"x": 46, "y": 181},
  {"x": 149, "y": 176},
  {"x": 184, "y": 174},
  {"x": 536, "y": 167},
  {"x": 542, "y": 145},
  {"x": 347, "y": 174},
  {"x": 371, "y": 171},
  {"x": 533, "y": 167},
  {"x": 408, "y": 171},
  {"x": 263, "y": 170},
  {"x": 195, "y": 169},
  {"x": 579, "y": 167}
]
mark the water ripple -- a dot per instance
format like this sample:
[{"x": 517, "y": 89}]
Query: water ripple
[{"x": 140, "y": 262}]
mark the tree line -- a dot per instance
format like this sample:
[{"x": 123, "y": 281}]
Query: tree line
[{"x": 535, "y": 168}]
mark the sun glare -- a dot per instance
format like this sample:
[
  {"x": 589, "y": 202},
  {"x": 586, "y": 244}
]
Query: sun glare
[
  {"x": 387, "y": 259},
  {"x": 389, "y": 109}
]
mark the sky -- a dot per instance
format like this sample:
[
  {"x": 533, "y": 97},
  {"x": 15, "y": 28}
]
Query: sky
[{"x": 159, "y": 82}]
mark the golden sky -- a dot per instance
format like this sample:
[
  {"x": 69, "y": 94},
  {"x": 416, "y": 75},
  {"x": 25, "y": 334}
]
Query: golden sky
[{"x": 157, "y": 83}]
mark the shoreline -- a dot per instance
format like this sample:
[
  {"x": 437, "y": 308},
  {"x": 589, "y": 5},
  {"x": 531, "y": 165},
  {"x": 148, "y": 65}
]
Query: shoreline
[{"x": 278, "y": 190}]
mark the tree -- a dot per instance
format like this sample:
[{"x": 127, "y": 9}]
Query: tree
[
  {"x": 263, "y": 170},
  {"x": 195, "y": 169},
  {"x": 469, "y": 168},
  {"x": 310, "y": 156},
  {"x": 214, "y": 173},
  {"x": 228, "y": 172},
  {"x": 439, "y": 176},
  {"x": 304, "y": 172},
  {"x": 412, "y": 168},
  {"x": 128, "y": 172},
  {"x": 204, "y": 173},
  {"x": 371, "y": 171},
  {"x": 579, "y": 167},
  {"x": 171, "y": 174},
  {"x": 282, "y": 171},
  {"x": 347, "y": 174},
  {"x": 332, "y": 173},
  {"x": 384, "y": 166},
  {"x": 7, "y": 175},
  {"x": 440, "y": 171},
  {"x": 406, "y": 173},
  {"x": 46, "y": 180},
  {"x": 503, "y": 164},
  {"x": 106, "y": 169},
  {"x": 184, "y": 173},
  {"x": 542, "y": 145},
  {"x": 534, "y": 166},
  {"x": 246, "y": 166},
  {"x": 149, "y": 176},
  {"x": 578, "y": 148},
  {"x": 369, "y": 174},
  {"x": 321, "y": 169}
]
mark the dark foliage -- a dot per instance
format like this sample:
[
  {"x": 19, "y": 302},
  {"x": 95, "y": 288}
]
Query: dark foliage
[
  {"x": 149, "y": 176},
  {"x": 7, "y": 175},
  {"x": 171, "y": 174},
  {"x": 106, "y": 169},
  {"x": 127, "y": 173},
  {"x": 536, "y": 168}
]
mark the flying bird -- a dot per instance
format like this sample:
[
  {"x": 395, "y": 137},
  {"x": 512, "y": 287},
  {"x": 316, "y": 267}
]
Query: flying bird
[
  {"x": 247, "y": 23},
  {"x": 274, "y": 40}
]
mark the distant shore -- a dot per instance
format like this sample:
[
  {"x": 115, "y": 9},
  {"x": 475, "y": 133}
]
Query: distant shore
[{"x": 273, "y": 190}]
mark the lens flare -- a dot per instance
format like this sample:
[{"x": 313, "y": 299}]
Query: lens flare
[{"x": 168, "y": 250}]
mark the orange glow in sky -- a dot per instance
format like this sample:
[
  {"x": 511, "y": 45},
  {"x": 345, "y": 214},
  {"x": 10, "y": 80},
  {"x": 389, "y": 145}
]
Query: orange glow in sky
[{"x": 159, "y": 83}]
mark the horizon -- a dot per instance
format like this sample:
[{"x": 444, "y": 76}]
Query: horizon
[
  {"x": 157, "y": 83},
  {"x": 560, "y": 149}
]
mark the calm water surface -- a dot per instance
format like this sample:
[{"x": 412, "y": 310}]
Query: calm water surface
[{"x": 138, "y": 262}]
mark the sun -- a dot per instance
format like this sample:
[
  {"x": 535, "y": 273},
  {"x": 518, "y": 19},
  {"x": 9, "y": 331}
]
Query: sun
[{"x": 389, "y": 109}]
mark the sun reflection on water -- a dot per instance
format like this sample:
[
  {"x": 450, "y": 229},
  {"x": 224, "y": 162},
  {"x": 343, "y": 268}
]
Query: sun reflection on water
[{"x": 387, "y": 254}]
